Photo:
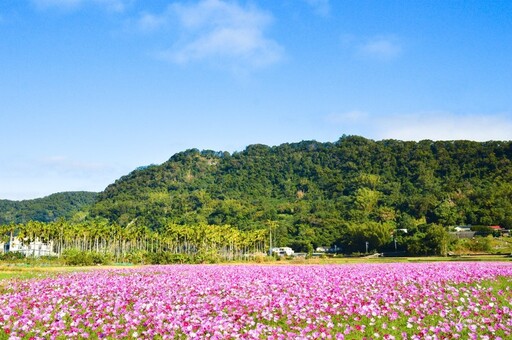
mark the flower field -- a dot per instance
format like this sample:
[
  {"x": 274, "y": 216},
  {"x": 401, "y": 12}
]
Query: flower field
[{"x": 372, "y": 301}]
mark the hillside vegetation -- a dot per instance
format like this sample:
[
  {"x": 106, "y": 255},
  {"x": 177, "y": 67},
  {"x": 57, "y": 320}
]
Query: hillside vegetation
[
  {"x": 46, "y": 209},
  {"x": 310, "y": 194}
]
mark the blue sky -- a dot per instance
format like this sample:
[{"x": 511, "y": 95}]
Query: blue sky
[{"x": 91, "y": 89}]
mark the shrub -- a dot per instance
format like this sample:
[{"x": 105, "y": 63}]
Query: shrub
[
  {"x": 75, "y": 257},
  {"x": 165, "y": 257},
  {"x": 204, "y": 256},
  {"x": 480, "y": 244},
  {"x": 138, "y": 257},
  {"x": 298, "y": 260},
  {"x": 260, "y": 257},
  {"x": 481, "y": 230},
  {"x": 477, "y": 244},
  {"x": 12, "y": 256},
  {"x": 100, "y": 258}
]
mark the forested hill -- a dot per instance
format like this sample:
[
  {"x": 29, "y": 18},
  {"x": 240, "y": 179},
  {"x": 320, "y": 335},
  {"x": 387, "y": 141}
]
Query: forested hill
[
  {"x": 45, "y": 209},
  {"x": 315, "y": 191}
]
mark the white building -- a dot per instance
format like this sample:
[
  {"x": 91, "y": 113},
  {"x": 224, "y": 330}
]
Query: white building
[
  {"x": 283, "y": 251},
  {"x": 35, "y": 248}
]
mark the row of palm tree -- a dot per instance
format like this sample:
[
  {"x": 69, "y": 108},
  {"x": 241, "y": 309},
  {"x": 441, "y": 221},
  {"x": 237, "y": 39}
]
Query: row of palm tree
[{"x": 101, "y": 236}]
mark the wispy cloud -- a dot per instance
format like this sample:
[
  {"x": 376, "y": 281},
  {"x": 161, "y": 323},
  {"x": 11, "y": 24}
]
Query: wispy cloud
[
  {"x": 350, "y": 117},
  {"x": 218, "y": 31},
  {"x": 64, "y": 164},
  {"x": 152, "y": 22},
  {"x": 426, "y": 125},
  {"x": 321, "y": 7},
  {"x": 111, "y": 5},
  {"x": 384, "y": 48}
]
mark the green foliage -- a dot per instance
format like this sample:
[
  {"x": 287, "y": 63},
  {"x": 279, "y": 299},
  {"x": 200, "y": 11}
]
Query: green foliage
[
  {"x": 302, "y": 246},
  {"x": 75, "y": 257},
  {"x": 207, "y": 256},
  {"x": 166, "y": 257},
  {"x": 481, "y": 230},
  {"x": 428, "y": 239},
  {"x": 476, "y": 245},
  {"x": 138, "y": 257},
  {"x": 355, "y": 237},
  {"x": 95, "y": 241},
  {"x": 169, "y": 258},
  {"x": 47, "y": 209},
  {"x": 12, "y": 256}
]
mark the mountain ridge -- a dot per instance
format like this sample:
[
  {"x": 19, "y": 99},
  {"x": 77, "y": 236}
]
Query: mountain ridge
[
  {"x": 45, "y": 209},
  {"x": 313, "y": 190}
]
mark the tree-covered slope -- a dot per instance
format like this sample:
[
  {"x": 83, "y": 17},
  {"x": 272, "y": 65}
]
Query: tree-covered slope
[
  {"x": 45, "y": 209},
  {"x": 316, "y": 192}
]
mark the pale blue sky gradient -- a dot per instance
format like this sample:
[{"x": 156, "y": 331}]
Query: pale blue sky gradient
[{"x": 91, "y": 89}]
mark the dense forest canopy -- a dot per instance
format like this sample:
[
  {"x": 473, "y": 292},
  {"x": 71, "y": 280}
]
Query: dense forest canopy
[
  {"x": 46, "y": 209},
  {"x": 311, "y": 193}
]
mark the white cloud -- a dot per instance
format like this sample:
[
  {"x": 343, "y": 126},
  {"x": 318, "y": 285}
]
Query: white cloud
[
  {"x": 220, "y": 31},
  {"x": 63, "y": 164},
  {"x": 426, "y": 125},
  {"x": 321, "y": 7},
  {"x": 384, "y": 48},
  {"x": 111, "y": 5},
  {"x": 151, "y": 22},
  {"x": 349, "y": 117}
]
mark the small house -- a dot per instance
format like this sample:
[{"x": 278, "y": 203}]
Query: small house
[
  {"x": 283, "y": 251},
  {"x": 36, "y": 248},
  {"x": 499, "y": 229}
]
